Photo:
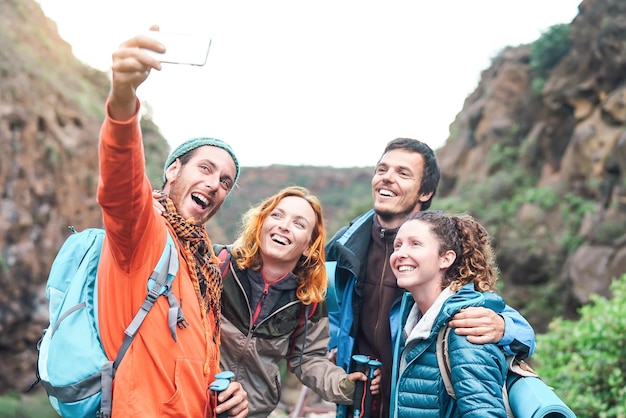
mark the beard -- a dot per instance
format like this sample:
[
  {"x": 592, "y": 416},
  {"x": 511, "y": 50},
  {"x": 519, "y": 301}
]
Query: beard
[
  {"x": 387, "y": 216},
  {"x": 394, "y": 218},
  {"x": 177, "y": 193}
]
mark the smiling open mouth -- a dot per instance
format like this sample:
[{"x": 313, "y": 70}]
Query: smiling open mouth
[
  {"x": 280, "y": 240},
  {"x": 386, "y": 192},
  {"x": 200, "y": 200}
]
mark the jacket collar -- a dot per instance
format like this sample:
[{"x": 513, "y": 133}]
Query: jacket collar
[
  {"x": 379, "y": 232},
  {"x": 418, "y": 325}
]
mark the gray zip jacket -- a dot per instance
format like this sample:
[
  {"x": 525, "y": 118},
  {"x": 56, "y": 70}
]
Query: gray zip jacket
[{"x": 253, "y": 351}]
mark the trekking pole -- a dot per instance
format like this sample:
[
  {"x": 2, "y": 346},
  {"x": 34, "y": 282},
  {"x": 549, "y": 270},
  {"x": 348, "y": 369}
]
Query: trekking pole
[
  {"x": 359, "y": 389},
  {"x": 302, "y": 398},
  {"x": 297, "y": 411},
  {"x": 367, "y": 404},
  {"x": 221, "y": 383}
]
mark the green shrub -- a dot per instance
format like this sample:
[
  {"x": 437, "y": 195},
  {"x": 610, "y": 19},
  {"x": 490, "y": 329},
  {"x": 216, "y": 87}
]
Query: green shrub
[
  {"x": 584, "y": 360},
  {"x": 537, "y": 85},
  {"x": 4, "y": 267},
  {"x": 573, "y": 209},
  {"x": 19, "y": 405},
  {"x": 547, "y": 51}
]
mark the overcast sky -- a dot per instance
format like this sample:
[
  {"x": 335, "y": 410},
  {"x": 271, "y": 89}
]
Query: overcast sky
[{"x": 328, "y": 82}]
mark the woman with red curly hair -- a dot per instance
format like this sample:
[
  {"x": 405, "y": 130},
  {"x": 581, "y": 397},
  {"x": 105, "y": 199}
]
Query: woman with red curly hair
[{"x": 273, "y": 306}]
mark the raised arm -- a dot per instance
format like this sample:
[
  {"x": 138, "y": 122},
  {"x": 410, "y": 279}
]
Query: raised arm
[
  {"x": 123, "y": 188},
  {"x": 131, "y": 67}
]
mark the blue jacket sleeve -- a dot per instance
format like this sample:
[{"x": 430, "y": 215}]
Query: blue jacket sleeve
[
  {"x": 477, "y": 373},
  {"x": 519, "y": 336}
]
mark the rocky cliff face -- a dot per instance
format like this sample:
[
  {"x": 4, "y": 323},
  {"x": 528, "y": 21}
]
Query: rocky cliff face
[
  {"x": 553, "y": 144},
  {"x": 538, "y": 154},
  {"x": 51, "y": 108},
  {"x": 48, "y": 169}
]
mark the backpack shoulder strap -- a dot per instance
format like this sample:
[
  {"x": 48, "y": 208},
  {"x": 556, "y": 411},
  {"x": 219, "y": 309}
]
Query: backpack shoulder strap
[
  {"x": 159, "y": 283},
  {"x": 443, "y": 359},
  {"x": 224, "y": 255},
  {"x": 306, "y": 313},
  {"x": 335, "y": 291}
]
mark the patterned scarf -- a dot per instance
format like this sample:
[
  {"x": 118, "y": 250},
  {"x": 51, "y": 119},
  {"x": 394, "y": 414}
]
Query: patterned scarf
[{"x": 203, "y": 264}]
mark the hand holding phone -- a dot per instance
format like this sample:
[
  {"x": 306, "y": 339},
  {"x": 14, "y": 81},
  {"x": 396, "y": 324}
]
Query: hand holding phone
[{"x": 181, "y": 48}]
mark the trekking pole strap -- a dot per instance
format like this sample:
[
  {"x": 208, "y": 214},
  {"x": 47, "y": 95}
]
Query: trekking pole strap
[{"x": 146, "y": 306}]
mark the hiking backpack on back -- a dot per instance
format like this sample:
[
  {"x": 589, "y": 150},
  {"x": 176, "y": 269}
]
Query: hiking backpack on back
[
  {"x": 525, "y": 394},
  {"x": 72, "y": 364}
]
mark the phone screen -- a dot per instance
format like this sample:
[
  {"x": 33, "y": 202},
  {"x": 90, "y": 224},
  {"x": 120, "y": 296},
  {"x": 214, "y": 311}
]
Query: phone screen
[{"x": 181, "y": 48}]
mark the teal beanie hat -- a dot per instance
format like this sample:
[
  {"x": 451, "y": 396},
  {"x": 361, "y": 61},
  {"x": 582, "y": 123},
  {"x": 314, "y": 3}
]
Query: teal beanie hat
[{"x": 192, "y": 144}]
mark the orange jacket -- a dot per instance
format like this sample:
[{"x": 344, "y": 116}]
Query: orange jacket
[{"x": 157, "y": 377}]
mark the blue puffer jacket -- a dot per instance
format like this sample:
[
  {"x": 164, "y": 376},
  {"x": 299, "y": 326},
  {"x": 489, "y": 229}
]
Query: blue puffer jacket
[{"x": 478, "y": 371}]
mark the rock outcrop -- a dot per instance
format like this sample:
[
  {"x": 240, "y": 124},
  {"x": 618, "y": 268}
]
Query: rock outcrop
[
  {"x": 564, "y": 146},
  {"x": 51, "y": 108}
]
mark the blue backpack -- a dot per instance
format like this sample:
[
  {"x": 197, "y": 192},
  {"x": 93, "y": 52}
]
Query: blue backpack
[
  {"x": 525, "y": 394},
  {"x": 72, "y": 364}
]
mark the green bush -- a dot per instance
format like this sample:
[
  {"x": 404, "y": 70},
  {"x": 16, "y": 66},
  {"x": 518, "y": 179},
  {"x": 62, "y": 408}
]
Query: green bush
[
  {"x": 546, "y": 52},
  {"x": 19, "y": 405},
  {"x": 585, "y": 360}
]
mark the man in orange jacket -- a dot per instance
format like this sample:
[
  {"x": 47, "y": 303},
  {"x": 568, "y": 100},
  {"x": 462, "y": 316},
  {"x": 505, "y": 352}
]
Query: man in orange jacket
[{"x": 160, "y": 376}]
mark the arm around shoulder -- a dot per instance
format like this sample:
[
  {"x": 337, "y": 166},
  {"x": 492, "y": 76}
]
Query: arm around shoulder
[{"x": 519, "y": 335}]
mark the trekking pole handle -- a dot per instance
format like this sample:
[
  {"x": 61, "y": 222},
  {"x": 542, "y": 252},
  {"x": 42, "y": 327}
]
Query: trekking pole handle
[
  {"x": 221, "y": 383},
  {"x": 372, "y": 365},
  {"x": 226, "y": 374},
  {"x": 359, "y": 390}
]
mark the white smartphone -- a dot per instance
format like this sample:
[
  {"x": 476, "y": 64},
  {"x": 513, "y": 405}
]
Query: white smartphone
[{"x": 181, "y": 48}]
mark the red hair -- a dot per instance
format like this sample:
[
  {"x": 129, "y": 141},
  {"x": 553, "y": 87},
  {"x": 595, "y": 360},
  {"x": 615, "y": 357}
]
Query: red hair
[{"x": 310, "y": 270}]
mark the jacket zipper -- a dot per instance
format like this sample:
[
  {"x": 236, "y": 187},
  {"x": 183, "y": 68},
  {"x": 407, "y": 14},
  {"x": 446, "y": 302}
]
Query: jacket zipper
[
  {"x": 266, "y": 287},
  {"x": 381, "y": 283},
  {"x": 251, "y": 328},
  {"x": 249, "y": 336},
  {"x": 259, "y": 306}
]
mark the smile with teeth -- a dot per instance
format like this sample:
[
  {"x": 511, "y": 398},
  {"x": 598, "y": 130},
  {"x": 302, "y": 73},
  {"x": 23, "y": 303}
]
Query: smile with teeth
[
  {"x": 280, "y": 240},
  {"x": 200, "y": 200},
  {"x": 386, "y": 192},
  {"x": 403, "y": 269}
]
